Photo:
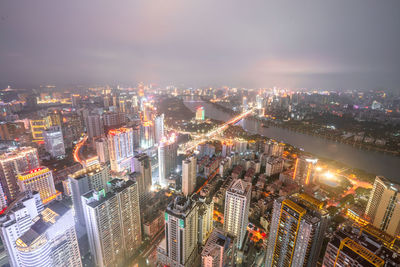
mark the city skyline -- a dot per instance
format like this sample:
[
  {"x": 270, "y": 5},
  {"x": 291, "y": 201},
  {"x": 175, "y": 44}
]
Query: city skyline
[{"x": 199, "y": 134}]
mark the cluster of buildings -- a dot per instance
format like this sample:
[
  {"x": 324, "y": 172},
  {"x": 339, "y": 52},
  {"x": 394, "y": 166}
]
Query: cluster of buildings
[{"x": 128, "y": 193}]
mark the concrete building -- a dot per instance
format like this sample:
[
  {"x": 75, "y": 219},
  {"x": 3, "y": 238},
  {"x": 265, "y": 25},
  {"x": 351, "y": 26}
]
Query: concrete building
[
  {"x": 51, "y": 239},
  {"x": 189, "y": 174},
  {"x": 237, "y": 205},
  {"x": 167, "y": 158},
  {"x": 304, "y": 170},
  {"x": 219, "y": 250},
  {"x": 113, "y": 222},
  {"x": 40, "y": 180},
  {"x": 147, "y": 134},
  {"x": 11, "y": 164},
  {"x": 142, "y": 172},
  {"x": 38, "y": 126},
  {"x": 366, "y": 246},
  {"x": 120, "y": 147},
  {"x": 180, "y": 247},
  {"x": 102, "y": 150},
  {"x": 274, "y": 165},
  {"x": 16, "y": 221},
  {"x": 383, "y": 207},
  {"x": 274, "y": 149},
  {"x": 206, "y": 212},
  {"x": 159, "y": 128},
  {"x": 54, "y": 142},
  {"x": 94, "y": 126},
  {"x": 296, "y": 234},
  {"x": 93, "y": 178}
]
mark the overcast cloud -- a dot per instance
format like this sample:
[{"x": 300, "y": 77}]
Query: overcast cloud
[{"x": 332, "y": 44}]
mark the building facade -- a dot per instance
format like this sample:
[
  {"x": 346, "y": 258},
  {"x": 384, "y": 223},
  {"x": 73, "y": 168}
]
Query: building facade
[
  {"x": 383, "y": 208},
  {"x": 237, "y": 205},
  {"x": 120, "y": 146},
  {"x": 113, "y": 222},
  {"x": 296, "y": 233}
]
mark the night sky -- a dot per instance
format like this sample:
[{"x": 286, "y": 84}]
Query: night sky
[{"x": 340, "y": 44}]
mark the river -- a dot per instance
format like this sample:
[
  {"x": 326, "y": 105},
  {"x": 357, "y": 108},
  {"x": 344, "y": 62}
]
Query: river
[{"x": 370, "y": 161}]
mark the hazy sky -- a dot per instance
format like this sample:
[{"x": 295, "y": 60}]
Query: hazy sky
[{"x": 329, "y": 44}]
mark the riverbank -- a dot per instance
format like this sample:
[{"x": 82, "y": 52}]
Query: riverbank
[
  {"x": 331, "y": 135},
  {"x": 370, "y": 162}
]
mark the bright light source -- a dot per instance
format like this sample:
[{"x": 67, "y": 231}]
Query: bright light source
[
  {"x": 329, "y": 175},
  {"x": 319, "y": 169}
]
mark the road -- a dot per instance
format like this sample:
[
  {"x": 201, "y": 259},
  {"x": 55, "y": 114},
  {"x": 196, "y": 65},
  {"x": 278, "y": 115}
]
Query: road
[
  {"x": 77, "y": 149},
  {"x": 208, "y": 136}
]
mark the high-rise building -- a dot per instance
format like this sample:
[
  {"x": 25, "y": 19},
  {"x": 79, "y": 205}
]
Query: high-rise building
[
  {"x": 76, "y": 100},
  {"x": 367, "y": 247},
  {"x": 40, "y": 180},
  {"x": 92, "y": 178},
  {"x": 189, "y": 174},
  {"x": 147, "y": 134},
  {"x": 180, "y": 233},
  {"x": 297, "y": 228},
  {"x": 113, "y": 222},
  {"x": 159, "y": 128},
  {"x": 94, "y": 126},
  {"x": 304, "y": 170},
  {"x": 142, "y": 171},
  {"x": 16, "y": 221},
  {"x": 206, "y": 212},
  {"x": 102, "y": 150},
  {"x": 383, "y": 207},
  {"x": 167, "y": 155},
  {"x": 120, "y": 147},
  {"x": 51, "y": 239},
  {"x": 13, "y": 163},
  {"x": 274, "y": 149},
  {"x": 54, "y": 141},
  {"x": 237, "y": 205},
  {"x": 200, "y": 114},
  {"x": 38, "y": 126},
  {"x": 136, "y": 137},
  {"x": 219, "y": 250},
  {"x": 273, "y": 165}
]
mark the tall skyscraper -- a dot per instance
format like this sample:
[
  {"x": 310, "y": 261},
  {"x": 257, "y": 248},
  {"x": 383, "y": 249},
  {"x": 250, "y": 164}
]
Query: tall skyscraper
[
  {"x": 16, "y": 221},
  {"x": 142, "y": 169},
  {"x": 92, "y": 178},
  {"x": 206, "y": 212},
  {"x": 113, "y": 222},
  {"x": 54, "y": 141},
  {"x": 219, "y": 250},
  {"x": 12, "y": 164},
  {"x": 94, "y": 126},
  {"x": 180, "y": 233},
  {"x": 367, "y": 247},
  {"x": 51, "y": 240},
  {"x": 120, "y": 147},
  {"x": 167, "y": 155},
  {"x": 147, "y": 134},
  {"x": 189, "y": 174},
  {"x": 200, "y": 114},
  {"x": 102, "y": 150},
  {"x": 383, "y": 207},
  {"x": 237, "y": 205},
  {"x": 304, "y": 170},
  {"x": 296, "y": 233},
  {"x": 159, "y": 128}
]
